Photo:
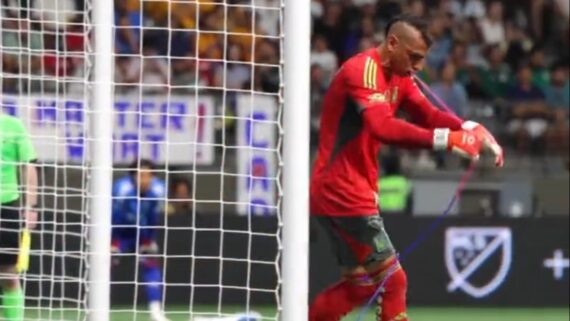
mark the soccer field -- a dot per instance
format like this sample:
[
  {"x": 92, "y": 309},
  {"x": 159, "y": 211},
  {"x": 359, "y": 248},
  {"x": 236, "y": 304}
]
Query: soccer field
[{"x": 416, "y": 314}]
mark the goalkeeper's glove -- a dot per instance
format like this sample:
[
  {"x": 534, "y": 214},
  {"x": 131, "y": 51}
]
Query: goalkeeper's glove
[
  {"x": 148, "y": 247},
  {"x": 461, "y": 142},
  {"x": 487, "y": 139}
]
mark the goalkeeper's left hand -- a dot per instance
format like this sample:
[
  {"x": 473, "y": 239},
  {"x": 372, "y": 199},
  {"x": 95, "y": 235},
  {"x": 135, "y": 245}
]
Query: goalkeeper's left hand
[
  {"x": 488, "y": 140},
  {"x": 148, "y": 247}
]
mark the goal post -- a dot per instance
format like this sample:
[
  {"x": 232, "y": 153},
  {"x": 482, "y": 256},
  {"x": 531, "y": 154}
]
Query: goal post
[
  {"x": 296, "y": 58},
  {"x": 101, "y": 119}
]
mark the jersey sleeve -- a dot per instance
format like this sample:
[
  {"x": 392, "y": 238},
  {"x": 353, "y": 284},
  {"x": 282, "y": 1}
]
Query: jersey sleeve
[
  {"x": 423, "y": 112},
  {"x": 377, "y": 115},
  {"x": 26, "y": 150},
  {"x": 119, "y": 199}
]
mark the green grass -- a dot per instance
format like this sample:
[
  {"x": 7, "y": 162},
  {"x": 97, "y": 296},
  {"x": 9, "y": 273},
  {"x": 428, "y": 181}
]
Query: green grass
[{"x": 416, "y": 314}]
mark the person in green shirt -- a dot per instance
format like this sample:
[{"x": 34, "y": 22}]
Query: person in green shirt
[
  {"x": 495, "y": 79},
  {"x": 18, "y": 175},
  {"x": 540, "y": 73},
  {"x": 394, "y": 188}
]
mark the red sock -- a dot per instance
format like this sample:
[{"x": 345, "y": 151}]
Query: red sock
[
  {"x": 338, "y": 300},
  {"x": 392, "y": 303}
]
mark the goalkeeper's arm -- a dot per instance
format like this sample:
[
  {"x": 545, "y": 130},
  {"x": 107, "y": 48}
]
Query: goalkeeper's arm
[
  {"x": 384, "y": 127},
  {"x": 423, "y": 113},
  {"x": 428, "y": 116}
]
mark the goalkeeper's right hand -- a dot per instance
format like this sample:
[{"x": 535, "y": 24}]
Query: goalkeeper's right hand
[{"x": 461, "y": 142}]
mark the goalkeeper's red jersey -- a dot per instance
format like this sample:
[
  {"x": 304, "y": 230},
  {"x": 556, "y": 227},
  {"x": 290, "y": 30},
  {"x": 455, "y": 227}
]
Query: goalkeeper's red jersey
[{"x": 357, "y": 118}]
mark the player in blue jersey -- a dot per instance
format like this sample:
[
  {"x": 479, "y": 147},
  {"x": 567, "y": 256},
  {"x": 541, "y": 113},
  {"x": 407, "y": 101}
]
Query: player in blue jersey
[{"x": 137, "y": 206}]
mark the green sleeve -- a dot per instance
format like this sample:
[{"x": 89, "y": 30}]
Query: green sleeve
[{"x": 26, "y": 150}]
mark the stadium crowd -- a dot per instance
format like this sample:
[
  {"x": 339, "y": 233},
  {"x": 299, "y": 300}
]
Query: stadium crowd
[
  {"x": 501, "y": 62},
  {"x": 504, "y": 63}
]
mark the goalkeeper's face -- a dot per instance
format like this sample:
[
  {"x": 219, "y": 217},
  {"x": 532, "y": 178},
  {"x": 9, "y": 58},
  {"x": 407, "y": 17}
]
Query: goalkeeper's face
[
  {"x": 407, "y": 52},
  {"x": 143, "y": 179}
]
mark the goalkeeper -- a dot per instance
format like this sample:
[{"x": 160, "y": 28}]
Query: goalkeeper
[
  {"x": 137, "y": 206},
  {"x": 357, "y": 118},
  {"x": 17, "y": 156}
]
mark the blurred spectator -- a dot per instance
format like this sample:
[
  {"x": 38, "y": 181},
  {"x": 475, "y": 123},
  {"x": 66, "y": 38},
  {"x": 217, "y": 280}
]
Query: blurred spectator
[
  {"x": 459, "y": 59},
  {"x": 395, "y": 190},
  {"x": 241, "y": 32},
  {"x": 129, "y": 23},
  {"x": 330, "y": 27},
  {"x": 235, "y": 72},
  {"x": 184, "y": 75},
  {"x": 518, "y": 45},
  {"x": 157, "y": 12},
  {"x": 417, "y": 8},
  {"x": 21, "y": 53},
  {"x": 558, "y": 99},
  {"x": 268, "y": 18},
  {"x": 174, "y": 42},
  {"x": 442, "y": 43},
  {"x": 557, "y": 92},
  {"x": 149, "y": 71},
  {"x": 492, "y": 26},
  {"x": 210, "y": 37},
  {"x": 55, "y": 62},
  {"x": 540, "y": 74},
  {"x": 529, "y": 113},
  {"x": 266, "y": 77},
  {"x": 54, "y": 14},
  {"x": 388, "y": 9},
  {"x": 524, "y": 89},
  {"x": 451, "y": 91},
  {"x": 495, "y": 79},
  {"x": 322, "y": 56},
  {"x": 366, "y": 30},
  {"x": 74, "y": 38},
  {"x": 125, "y": 81},
  {"x": 180, "y": 197},
  {"x": 473, "y": 8},
  {"x": 468, "y": 32}
]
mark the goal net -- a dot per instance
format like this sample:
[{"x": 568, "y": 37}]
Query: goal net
[{"x": 197, "y": 90}]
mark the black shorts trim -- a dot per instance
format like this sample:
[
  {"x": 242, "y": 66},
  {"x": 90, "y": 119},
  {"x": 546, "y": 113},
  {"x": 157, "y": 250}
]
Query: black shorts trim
[{"x": 10, "y": 226}]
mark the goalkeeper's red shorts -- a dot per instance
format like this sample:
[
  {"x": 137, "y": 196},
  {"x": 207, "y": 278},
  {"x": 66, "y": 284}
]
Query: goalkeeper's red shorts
[{"x": 358, "y": 240}]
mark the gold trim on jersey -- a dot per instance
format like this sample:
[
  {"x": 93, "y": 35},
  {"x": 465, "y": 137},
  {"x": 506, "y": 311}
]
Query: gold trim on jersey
[{"x": 370, "y": 73}]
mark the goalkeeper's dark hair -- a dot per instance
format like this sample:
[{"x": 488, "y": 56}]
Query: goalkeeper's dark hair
[
  {"x": 416, "y": 22},
  {"x": 138, "y": 164}
]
